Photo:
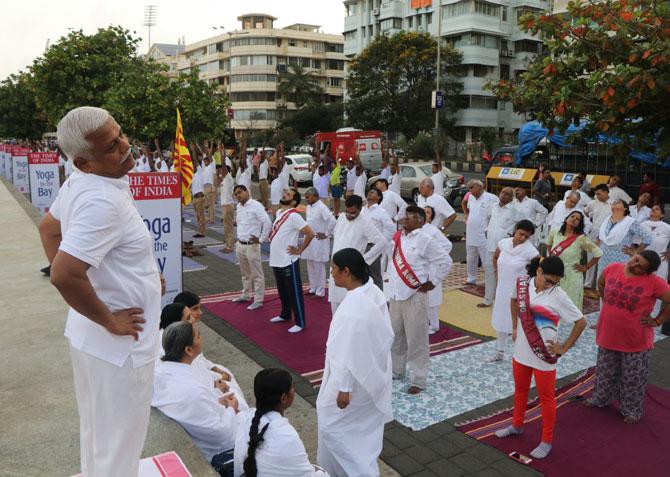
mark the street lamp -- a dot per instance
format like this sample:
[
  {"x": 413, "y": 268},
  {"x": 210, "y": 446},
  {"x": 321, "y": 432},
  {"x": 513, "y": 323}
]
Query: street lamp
[{"x": 150, "y": 14}]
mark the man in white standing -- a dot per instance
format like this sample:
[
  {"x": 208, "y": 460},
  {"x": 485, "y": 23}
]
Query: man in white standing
[
  {"x": 394, "y": 180},
  {"x": 285, "y": 259},
  {"x": 414, "y": 256},
  {"x": 263, "y": 169},
  {"x": 438, "y": 179},
  {"x": 392, "y": 203},
  {"x": 384, "y": 225},
  {"x": 616, "y": 192},
  {"x": 227, "y": 209},
  {"x": 475, "y": 228},
  {"x": 444, "y": 213},
  {"x": 576, "y": 186},
  {"x": 530, "y": 209},
  {"x": 597, "y": 211},
  {"x": 353, "y": 230},
  {"x": 351, "y": 177},
  {"x": 361, "y": 181},
  {"x": 565, "y": 207},
  {"x": 208, "y": 178},
  {"x": 321, "y": 182},
  {"x": 102, "y": 264},
  {"x": 317, "y": 254},
  {"x": 501, "y": 218},
  {"x": 253, "y": 228}
]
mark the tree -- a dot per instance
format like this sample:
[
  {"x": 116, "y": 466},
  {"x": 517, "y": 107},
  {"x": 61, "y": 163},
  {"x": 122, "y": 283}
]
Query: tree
[
  {"x": 78, "y": 69},
  {"x": 19, "y": 115},
  {"x": 298, "y": 86},
  {"x": 315, "y": 116},
  {"x": 607, "y": 62},
  {"x": 390, "y": 83}
]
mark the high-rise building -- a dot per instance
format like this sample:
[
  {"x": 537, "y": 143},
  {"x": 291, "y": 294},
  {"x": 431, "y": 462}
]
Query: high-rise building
[
  {"x": 486, "y": 32},
  {"x": 248, "y": 65}
]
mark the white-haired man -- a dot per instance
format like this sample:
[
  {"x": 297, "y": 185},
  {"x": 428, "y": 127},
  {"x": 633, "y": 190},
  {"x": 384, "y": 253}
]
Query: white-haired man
[
  {"x": 475, "y": 228},
  {"x": 102, "y": 264},
  {"x": 565, "y": 207},
  {"x": 444, "y": 213}
]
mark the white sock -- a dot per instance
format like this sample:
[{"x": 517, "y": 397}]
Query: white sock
[
  {"x": 541, "y": 451},
  {"x": 509, "y": 431}
]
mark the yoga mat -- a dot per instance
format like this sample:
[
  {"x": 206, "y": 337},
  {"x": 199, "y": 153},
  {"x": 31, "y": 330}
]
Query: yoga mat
[
  {"x": 303, "y": 352},
  {"x": 190, "y": 265},
  {"x": 168, "y": 464},
  {"x": 589, "y": 441},
  {"x": 460, "y": 309}
]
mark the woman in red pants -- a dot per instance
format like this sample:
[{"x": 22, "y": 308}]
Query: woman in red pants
[{"x": 538, "y": 304}]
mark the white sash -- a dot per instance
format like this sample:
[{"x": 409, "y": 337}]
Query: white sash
[{"x": 617, "y": 233}]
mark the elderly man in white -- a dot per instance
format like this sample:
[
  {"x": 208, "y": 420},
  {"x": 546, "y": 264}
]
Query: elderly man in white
[
  {"x": 317, "y": 254},
  {"x": 392, "y": 203},
  {"x": 565, "y": 207},
  {"x": 384, "y": 225},
  {"x": 102, "y": 264},
  {"x": 475, "y": 228},
  {"x": 530, "y": 209},
  {"x": 444, "y": 213},
  {"x": 501, "y": 218},
  {"x": 576, "y": 186},
  {"x": 597, "y": 211}
]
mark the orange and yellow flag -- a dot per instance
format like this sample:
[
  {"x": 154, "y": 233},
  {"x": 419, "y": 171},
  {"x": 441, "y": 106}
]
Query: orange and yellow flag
[{"x": 182, "y": 162}]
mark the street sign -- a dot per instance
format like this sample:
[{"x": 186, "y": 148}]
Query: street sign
[{"x": 437, "y": 100}]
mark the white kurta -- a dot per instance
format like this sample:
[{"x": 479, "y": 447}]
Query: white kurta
[
  {"x": 281, "y": 454},
  {"x": 435, "y": 295},
  {"x": 320, "y": 220},
  {"x": 640, "y": 215},
  {"x": 358, "y": 360},
  {"x": 660, "y": 237},
  {"x": 359, "y": 186},
  {"x": 511, "y": 265},
  {"x": 475, "y": 227}
]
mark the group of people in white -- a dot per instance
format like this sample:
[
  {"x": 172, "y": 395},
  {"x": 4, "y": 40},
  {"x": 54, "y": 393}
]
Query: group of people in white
[{"x": 387, "y": 264}]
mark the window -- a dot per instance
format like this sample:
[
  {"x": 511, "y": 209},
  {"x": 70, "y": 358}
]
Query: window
[
  {"x": 255, "y": 114},
  {"x": 351, "y": 9},
  {"x": 316, "y": 64},
  {"x": 335, "y": 47},
  {"x": 504, "y": 13},
  {"x": 335, "y": 65},
  {"x": 335, "y": 82},
  {"x": 473, "y": 39},
  {"x": 305, "y": 44},
  {"x": 254, "y": 78},
  {"x": 390, "y": 23},
  {"x": 527, "y": 46},
  {"x": 318, "y": 47},
  {"x": 350, "y": 35},
  {"x": 363, "y": 32},
  {"x": 252, "y": 96},
  {"x": 292, "y": 43},
  {"x": 410, "y": 21},
  {"x": 484, "y": 8},
  {"x": 407, "y": 171},
  {"x": 523, "y": 11},
  {"x": 504, "y": 71},
  {"x": 252, "y": 60},
  {"x": 305, "y": 62},
  {"x": 481, "y": 71},
  {"x": 429, "y": 18},
  {"x": 482, "y": 102}
]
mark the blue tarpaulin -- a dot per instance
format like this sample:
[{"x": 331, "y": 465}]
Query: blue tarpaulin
[{"x": 533, "y": 132}]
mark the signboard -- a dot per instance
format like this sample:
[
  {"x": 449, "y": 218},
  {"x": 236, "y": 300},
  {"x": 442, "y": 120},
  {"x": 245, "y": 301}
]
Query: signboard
[
  {"x": 44, "y": 179},
  {"x": 511, "y": 173},
  {"x": 437, "y": 100},
  {"x": 420, "y": 3},
  {"x": 158, "y": 198},
  {"x": 4, "y": 162},
  {"x": 20, "y": 169}
]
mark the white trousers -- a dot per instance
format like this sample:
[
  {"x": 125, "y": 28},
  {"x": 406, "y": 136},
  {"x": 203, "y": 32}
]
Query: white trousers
[
  {"x": 501, "y": 341},
  {"x": 490, "y": 281},
  {"x": 114, "y": 404},
  {"x": 474, "y": 254},
  {"x": 316, "y": 274},
  {"x": 433, "y": 317}
]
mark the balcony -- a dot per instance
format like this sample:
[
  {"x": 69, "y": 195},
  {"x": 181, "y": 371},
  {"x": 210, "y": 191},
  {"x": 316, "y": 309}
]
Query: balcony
[
  {"x": 470, "y": 22},
  {"x": 391, "y": 9},
  {"x": 507, "y": 54},
  {"x": 480, "y": 55},
  {"x": 483, "y": 118},
  {"x": 539, "y": 4},
  {"x": 474, "y": 85}
]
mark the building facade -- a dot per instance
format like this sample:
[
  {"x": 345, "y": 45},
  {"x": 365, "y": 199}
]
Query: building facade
[
  {"x": 248, "y": 65},
  {"x": 486, "y": 32}
]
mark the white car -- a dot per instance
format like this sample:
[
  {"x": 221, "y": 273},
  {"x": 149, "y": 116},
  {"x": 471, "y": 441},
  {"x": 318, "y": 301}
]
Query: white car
[{"x": 298, "y": 168}]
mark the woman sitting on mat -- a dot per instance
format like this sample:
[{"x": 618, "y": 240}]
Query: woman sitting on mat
[
  {"x": 538, "y": 303},
  {"x": 625, "y": 334}
]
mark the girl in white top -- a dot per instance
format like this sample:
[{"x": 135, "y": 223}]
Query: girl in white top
[
  {"x": 267, "y": 445},
  {"x": 660, "y": 238},
  {"x": 509, "y": 261},
  {"x": 547, "y": 305},
  {"x": 435, "y": 296}
]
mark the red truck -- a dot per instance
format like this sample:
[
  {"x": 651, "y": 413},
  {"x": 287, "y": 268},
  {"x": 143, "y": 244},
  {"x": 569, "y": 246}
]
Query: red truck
[{"x": 348, "y": 140}]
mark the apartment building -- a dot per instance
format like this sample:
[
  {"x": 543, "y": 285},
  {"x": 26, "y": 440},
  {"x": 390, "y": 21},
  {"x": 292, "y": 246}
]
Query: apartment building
[
  {"x": 248, "y": 64},
  {"x": 486, "y": 32},
  {"x": 167, "y": 54}
]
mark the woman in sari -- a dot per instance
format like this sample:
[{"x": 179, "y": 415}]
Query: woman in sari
[
  {"x": 539, "y": 304},
  {"x": 568, "y": 243}
]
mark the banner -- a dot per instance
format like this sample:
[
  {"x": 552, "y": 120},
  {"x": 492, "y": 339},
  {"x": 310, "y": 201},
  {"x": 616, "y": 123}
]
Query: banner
[
  {"x": 420, "y": 3},
  {"x": 158, "y": 198},
  {"x": 20, "y": 169},
  {"x": 44, "y": 179},
  {"x": 4, "y": 162}
]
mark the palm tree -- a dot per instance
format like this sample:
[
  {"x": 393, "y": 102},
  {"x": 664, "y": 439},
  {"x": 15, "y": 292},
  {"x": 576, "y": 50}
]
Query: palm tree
[{"x": 299, "y": 86}]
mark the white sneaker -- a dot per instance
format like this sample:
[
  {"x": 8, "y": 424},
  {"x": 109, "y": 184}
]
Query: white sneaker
[
  {"x": 294, "y": 329},
  {"x": 254, "y": 306},
  {"x": 240, "y": 298},
  {"x": 496, "y": 358},
  {"x": 432, "y": 331},
  {"x": 277, "y": 319}
]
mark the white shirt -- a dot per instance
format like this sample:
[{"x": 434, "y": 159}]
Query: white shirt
[
  {"x": 209, "y": 173},
  {"x": 161, "y": 166},
  {"x": 181, "y": 395},
  {"x": 284, "y": 174},
  {"x": 361, "y": 182},
  {"x": 393, "y": 204},
  {"x": 555, "y": 302},
  {"x": 144, "y": 164},
  {"x": 321, "y": 183},
  {"x": 441, "y": 207},
  {"x": 351, "y": 178},
  {"x": 276, "y": 190},
  {"x": 67, "y": 166},
  {"x": 617, "y": 193},
  {"x": 282, "y": 453},
  {"x": 584, "y": 198},
  {"x": 320, "y": 220},
  {"x": 252, "y": 220},
  {"x": 385, "y": 173},
  {"x": 561, "y": 212},
  {"x": 597, "y": 211},
  {"x": 198, "y": 181},
  {"x": 227, "y": 185},
  {"x": 101, "y": 226},
  {"x": 438, "y": 183},
  {"x": 381, "y": 220},
  {"x": 285, "y": 236},
  {"x": 263, "y": 170},
  {"x": 394, "y": 183},
  {"x": 501, "y": 224},
  {"x": 424, "y": 256},
  {"x": 531, "y": 209},
  {"x": 475, "y": 227},
  {"x": 244, "y": 178},
  {"x": 640, "y": 215}
]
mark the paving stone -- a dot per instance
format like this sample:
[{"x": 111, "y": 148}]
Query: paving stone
[
  {"x": 468, "y": 462},
  {"x": 389, "y": 450},
  {"x": 485, "y": 453},
  {"x": 424, "y": 473},
  {"x": 488, "y": 472},
  {"x": 445, "y": 448},
  {"x": 426, "y": 435},
  {"x": 422, "y": 454},
  {"x": 404, "y": 464},
  {"x": 446, "y": 467},
  {"x": 512, "y": 468},
  {"x": 400, "y": 438}
]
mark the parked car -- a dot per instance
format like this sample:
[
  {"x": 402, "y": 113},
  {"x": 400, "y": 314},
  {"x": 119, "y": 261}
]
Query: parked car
[
  {"x": 412, "y": 173},
  {"x": 298, "y": 168}
]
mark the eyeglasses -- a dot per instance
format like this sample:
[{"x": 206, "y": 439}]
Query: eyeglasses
[{"x": 551, "y": 282}]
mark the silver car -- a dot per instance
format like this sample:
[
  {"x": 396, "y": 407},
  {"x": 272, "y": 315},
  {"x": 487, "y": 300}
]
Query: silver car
[{"x": 298, "y": 168}]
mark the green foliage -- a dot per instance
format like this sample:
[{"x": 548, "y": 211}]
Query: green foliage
[
  {"x": 390, "y": 84},
  {"x": 607, "y": 62},
  {"x": 421, "y": 147},
  {"x": 19, "y": 116},
  {"x": 489, "y": 138},
  {"x": 298, "y": 86}
]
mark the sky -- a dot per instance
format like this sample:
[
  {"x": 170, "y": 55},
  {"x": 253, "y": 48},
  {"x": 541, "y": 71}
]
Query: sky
[{"x": 29, "y": 24}]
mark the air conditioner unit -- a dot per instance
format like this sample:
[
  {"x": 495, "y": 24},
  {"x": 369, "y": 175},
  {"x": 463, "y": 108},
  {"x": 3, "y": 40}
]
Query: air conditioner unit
[{"x": 375, "y": 12}]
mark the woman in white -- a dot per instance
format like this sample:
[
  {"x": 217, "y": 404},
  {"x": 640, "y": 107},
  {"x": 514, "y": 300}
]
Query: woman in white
[
  {"x": 660, "y": 238},
  {"x": 354, "y": 400},
  {"x": 640, "y": 211},
  {"x": 510, "y": 260},
  {"x": 435, "y": 296},
  {"x": 267, "y": 445}
]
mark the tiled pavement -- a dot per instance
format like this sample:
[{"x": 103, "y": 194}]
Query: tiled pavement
[{"x": 440, "y": 450}]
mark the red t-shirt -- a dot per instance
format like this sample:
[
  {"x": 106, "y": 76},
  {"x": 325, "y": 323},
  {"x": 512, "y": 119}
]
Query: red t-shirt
[{"x": 625, "y": 301}]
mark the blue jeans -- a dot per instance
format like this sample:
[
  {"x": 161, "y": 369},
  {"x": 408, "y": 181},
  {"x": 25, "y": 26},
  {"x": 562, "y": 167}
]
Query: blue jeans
[{"x": 223, "y": 463}]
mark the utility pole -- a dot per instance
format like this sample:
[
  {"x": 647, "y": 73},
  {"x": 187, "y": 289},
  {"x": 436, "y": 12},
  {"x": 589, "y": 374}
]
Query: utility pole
[
  {"x": 150, "y": 14},
  {"x": 439, "y": 44}
]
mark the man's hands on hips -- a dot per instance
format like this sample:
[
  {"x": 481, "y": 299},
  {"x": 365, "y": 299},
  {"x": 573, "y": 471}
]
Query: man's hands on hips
[{"x": 126, "y": 322}]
